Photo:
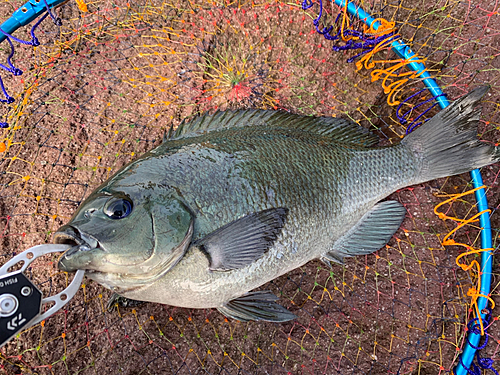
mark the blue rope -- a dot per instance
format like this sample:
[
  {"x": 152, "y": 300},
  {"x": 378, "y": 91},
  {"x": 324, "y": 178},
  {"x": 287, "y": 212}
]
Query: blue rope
[
  {"x": 402, "y": 118},
  {"x": 34, "y": 39},
  {"x": 405, "y": 52},
  {"x": 8, "y": 99},
  {"x": 482, "y": 363},
  {"x": 57, "y": 20},
  {"x": 33, "y": 42},
  {"x": 11, "y": 68},
  {"x": 368, "y": 41},
  {"x": 413, "y": 124}
]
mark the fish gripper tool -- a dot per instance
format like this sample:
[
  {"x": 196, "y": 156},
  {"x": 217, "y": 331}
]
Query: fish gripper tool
[{"x": 21, "y": 301}]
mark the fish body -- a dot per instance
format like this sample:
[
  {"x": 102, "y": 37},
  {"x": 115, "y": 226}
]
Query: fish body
[
  {"x": 326, "y": 189},
  {"x": 233, "y": 200}
]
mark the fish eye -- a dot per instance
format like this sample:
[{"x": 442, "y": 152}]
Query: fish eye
[{"x": 118, "y": 208}]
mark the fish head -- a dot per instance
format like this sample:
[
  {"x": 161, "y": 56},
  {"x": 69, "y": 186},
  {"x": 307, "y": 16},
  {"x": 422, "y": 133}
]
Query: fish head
[{"x": 138, "y": 231}]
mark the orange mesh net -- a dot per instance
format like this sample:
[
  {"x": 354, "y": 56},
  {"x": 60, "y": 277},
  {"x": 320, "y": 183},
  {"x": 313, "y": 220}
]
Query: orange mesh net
[{"x": 103, "y": 87}]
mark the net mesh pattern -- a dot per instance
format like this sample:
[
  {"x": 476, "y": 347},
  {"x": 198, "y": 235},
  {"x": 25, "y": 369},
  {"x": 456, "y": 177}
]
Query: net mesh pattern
[{"x": 102, "y": 89}]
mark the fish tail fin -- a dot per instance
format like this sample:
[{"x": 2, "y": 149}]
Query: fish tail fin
[{"x": 447, "y": 144}]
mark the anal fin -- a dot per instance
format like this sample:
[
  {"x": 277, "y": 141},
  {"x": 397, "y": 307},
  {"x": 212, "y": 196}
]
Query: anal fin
[
  {"x": 258, "y": 306},
  {"x": 370, "y": 234}
]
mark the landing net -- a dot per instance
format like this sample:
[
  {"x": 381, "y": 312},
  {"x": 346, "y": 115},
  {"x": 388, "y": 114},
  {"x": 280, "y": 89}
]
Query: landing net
[{"x": 101, "y": 89}]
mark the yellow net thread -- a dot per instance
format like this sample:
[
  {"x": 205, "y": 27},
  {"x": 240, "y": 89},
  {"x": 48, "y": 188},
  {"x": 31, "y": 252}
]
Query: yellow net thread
[
  {"x": 391, "y": 83},
  {"x": 102, "y": 91}
]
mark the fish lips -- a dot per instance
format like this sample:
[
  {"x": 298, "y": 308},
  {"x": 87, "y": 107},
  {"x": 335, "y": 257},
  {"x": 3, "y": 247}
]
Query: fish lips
[{"x": 77, "y": 257}]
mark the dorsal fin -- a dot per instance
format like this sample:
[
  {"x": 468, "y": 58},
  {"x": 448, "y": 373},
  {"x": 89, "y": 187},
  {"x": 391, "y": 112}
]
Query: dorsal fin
[{"x": 338, "y": 129}]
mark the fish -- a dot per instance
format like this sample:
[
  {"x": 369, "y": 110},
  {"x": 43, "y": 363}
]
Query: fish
[{"x": 232, "y": 200}]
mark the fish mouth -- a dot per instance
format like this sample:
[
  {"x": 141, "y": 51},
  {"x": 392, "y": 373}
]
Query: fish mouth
[
  {"x": 67, "y": 235},
  {"x": 80, "y": 243}
]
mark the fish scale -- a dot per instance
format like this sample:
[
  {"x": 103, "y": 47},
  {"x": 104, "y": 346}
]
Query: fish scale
[
  {"x": 306, "y": 183},
  {"x": 309, "y": 174},
  {"x": 238, "y": 198}
]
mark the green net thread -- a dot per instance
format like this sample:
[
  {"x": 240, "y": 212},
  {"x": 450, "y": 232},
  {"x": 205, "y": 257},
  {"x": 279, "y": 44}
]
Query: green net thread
[{"x": 103, "y": 91}]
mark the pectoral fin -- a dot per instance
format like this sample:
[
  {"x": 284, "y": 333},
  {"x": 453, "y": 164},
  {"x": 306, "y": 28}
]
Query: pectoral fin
[
  {"x": 256, "y": 306},
  {"x": 371, "y": 233},
  {"x": 243, "y": 241}
]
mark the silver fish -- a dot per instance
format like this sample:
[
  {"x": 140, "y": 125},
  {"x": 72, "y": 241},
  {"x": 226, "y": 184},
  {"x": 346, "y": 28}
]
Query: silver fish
[{"x": 233, "y": 200}]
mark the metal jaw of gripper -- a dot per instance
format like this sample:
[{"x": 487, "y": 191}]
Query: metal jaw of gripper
[{"x": 21, "y": 301}]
